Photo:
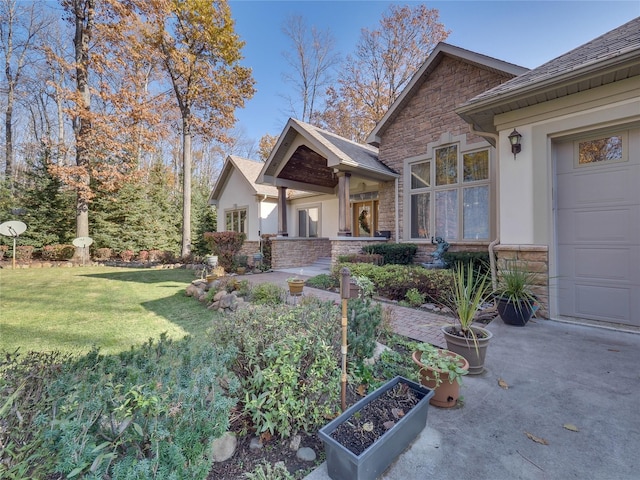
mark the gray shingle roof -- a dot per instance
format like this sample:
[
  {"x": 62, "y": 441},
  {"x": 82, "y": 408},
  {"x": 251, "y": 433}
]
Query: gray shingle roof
[{"x": 621, "y": 42}]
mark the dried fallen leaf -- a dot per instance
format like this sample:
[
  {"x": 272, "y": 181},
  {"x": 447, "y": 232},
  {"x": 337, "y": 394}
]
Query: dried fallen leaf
[
  {"x": 539, "y": 440},
  {"x": 388, "y": 425},
  {"x": 361, "y": 390},
  {"x": 265, "y": 437},
  {"x": 367, "y": 427},
  {"x": 613, "y": 350},
  {"x": 397, "y": 412},
  {"x": 503, "y": 384},
  {"x": 571, "y": 426}
]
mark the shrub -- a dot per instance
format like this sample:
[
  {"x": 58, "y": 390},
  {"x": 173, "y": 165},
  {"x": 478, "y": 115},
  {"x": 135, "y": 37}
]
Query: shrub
[
  {"x": 102, "y": 254},
  {"x": 225, "y": 245},
  {"x": 393, "y": 253},
  {"x": 479, "y": 260},
  {"x": 126, "y": 255},
  {"x": 155, "y": 255},
  {"x": 414, "y": 297},
  {"x": 143, "y": 255},
  {"x": 394, "y": 281},
  {"x": 147, "y": 413},
  {"x": 373, "y": 258},
  {"x": 3, "y": 251},
  {"x": 58, "y": 252},
  {"x": 24, "y": 403},
  {"x": 364, "y": 317},
  {"x": 291, "y": 383},
  {"x": 266, "y": 249},
  {"x": 323, "y": 281},
  {"x": 267, "y": 294},
  {"x": 24, "y": 252}
]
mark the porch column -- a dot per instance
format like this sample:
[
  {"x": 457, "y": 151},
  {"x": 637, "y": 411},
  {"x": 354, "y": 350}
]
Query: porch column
[
  {"x": 344, "y": 206},
  {"x": 282, "y": 212}
]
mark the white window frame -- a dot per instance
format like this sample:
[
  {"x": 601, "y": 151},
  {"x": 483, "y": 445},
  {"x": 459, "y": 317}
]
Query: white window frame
[
  {"x": 307, "y": 208},
  {"x": 237, "y": 211},
  {"x": 460, "y": 186}
]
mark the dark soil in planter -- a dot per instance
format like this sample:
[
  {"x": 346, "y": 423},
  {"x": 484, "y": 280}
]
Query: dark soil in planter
[
  {"x": 458, "y": 333},
  {"x": 365, "y": 426}
]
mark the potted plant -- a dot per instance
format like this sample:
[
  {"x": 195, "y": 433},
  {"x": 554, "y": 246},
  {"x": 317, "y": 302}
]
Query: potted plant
[
  {"x": 383, "y": 424},
  {"x": 296, "y": 285},
  {"x": 470, "y": 291},
  {"x": 514, "y": 299},
  {"x": 241, "y": 262},
  {"x": 442, "y": 371}
]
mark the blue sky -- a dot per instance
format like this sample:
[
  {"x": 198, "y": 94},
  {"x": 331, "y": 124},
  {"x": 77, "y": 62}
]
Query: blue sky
[{"x": 527, "y": 33}]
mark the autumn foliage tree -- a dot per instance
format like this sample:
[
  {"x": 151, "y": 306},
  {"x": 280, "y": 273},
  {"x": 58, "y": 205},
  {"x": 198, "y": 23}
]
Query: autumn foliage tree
[
  {"x": 111, "y": 116},
  {"x": 199, "y": 52},
  {"x": 385, "y": 60}
]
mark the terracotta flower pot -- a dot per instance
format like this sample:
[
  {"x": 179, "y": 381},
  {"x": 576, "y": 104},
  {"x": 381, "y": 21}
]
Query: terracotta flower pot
[
  {"x": 447, "y": 393},
  {"x": 295, "y": 286}
]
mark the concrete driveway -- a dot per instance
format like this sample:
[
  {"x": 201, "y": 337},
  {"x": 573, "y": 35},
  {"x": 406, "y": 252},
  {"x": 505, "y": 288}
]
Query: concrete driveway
[{"x": 557, "y": 374}]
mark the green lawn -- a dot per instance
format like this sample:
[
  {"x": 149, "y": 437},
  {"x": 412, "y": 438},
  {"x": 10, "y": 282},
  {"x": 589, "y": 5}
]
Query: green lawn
[{"x": 72, "y": 309}]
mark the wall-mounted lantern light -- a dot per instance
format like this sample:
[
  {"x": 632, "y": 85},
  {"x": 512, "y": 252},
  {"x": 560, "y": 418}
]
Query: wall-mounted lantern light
[{"x": 514, "y": 140}]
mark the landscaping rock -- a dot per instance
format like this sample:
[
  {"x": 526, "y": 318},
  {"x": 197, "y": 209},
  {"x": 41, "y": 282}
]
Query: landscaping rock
[
  {"x": 223, "y": 448},
  {"x": 255, "y": 444},
  {"x": 192, "y": 291},
  {"x": 306, "y": 454},
  {"x": 218, "y": 296},
  {"x": 295, "y": 443}
]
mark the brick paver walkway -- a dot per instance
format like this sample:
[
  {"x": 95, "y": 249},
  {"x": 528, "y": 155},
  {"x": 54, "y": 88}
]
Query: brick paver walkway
[{"x": 410, "y": 322}]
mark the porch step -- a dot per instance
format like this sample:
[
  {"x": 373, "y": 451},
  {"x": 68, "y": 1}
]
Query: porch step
[{"x": 322, "y": 262}]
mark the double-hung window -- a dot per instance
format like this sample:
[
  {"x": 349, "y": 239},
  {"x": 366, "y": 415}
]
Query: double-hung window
[
  {"x": 449, "y": 195},
  {"x": 236, "y": 220}
]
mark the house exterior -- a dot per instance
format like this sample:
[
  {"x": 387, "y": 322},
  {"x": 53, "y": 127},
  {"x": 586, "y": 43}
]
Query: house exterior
[
  {"x": 244, "y": 205},
  {"x": 571, "y": 198},
  {"x": 423, "y": 173}
]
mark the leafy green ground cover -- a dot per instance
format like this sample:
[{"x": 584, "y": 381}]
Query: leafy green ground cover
[
  {"x": 73, "y": 309},
  {"x": 151, "y": 408}
]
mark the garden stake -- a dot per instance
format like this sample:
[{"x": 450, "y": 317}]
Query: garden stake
[{"x": 345, "y": 280}]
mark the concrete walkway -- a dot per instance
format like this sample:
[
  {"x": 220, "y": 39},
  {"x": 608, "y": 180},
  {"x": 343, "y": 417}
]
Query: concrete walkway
[{"x": 559, "y": 376}]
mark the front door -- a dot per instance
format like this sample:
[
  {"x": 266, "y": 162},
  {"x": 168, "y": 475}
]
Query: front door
[{"x": 365, "y": 217}]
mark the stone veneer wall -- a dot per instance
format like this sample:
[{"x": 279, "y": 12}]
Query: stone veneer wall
[
  {"x": 346, "y": 246},
  {"x": 291, "y": 252},
  {"x": 249, "y": 248},
  {"x": 536, "y": 260}
]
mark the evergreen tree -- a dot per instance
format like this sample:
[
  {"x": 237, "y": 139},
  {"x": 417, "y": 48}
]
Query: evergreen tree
[
  {"x": 205, "y": 218},
  {"x": 47, "y": 207}
]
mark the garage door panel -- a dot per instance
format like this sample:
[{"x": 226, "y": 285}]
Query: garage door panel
[
  {"x": 599, "y": 264},
  {"x": 598, "y": 187},
  {"x": 587, "y": 188},
  {"x": 604, "y": 225},
  {"x": 609, "y": 303}
]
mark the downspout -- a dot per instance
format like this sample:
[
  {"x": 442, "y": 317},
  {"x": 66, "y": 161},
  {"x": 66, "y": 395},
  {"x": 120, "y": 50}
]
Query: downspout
[
  {"x": 397, "y": 212},
  {"x": 496, "y": 240}
]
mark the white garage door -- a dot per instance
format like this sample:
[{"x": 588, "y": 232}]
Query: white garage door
[{"x": 598, "y": 227}]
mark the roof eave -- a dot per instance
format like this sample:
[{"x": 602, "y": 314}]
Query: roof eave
[{"x": 474, "y": 111}]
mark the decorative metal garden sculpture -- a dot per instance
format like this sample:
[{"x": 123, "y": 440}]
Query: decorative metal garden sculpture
[{"x": 438, "y": 260}]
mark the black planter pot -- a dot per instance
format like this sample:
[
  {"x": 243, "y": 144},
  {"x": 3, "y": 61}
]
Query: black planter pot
[
  {"x": 517, "y": 314},
  {"x": 343, "y": 464}
]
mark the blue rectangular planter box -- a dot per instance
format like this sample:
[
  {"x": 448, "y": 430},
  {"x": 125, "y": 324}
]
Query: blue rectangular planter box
[{"x": 343, "y": 464}]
